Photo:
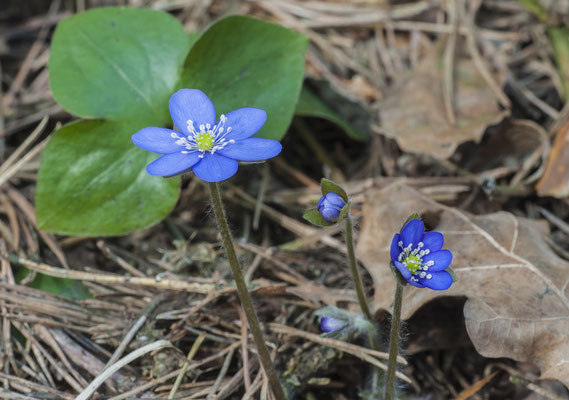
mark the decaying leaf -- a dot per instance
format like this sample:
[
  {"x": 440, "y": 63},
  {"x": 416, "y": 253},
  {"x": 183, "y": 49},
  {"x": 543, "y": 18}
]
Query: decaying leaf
[
  {"x": 414, "y": 112},
  {"x": 516, "y": 287},
  {"x": 555, "y": 180}
]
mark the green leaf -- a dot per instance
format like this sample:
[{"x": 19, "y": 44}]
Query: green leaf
[
  {"x": 244, "y": 62},
  {"x": 313, "y": 216},
  {"x": 64, "y": 287},
  {"x": 328, "y": 186},
  {"x": 309, "y": 105},
  {"x": 117, "y": 63},
  {"x": 93, "y": 182}
]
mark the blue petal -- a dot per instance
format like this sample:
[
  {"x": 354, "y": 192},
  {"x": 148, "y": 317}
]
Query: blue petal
[
  {"x": 439, "y": 281},
  {"x": 395, "y": 249},
  {"x": 251, "y": 149},
  {"x": 412, "y": 232},
  {"x": 215, "y": 168},
  {"x": 329, "y": 324},
  {"x": 244, "y": 122},
  {"x": 172, "y": 164},
  {"x": 433, "y": 241},
  {"x": 156, "y": 140},
  {"x": 403, "y": 269},
  {"x": 416, "y": 284},
  {"x": 332, "y": 200},
  {"x": 191, "y": 104},
  {"x": 330, "y": 214},
  {"x": 442, "y": 259}
]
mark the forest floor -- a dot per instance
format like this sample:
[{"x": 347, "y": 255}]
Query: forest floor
[{"x": 462, "y": 104}]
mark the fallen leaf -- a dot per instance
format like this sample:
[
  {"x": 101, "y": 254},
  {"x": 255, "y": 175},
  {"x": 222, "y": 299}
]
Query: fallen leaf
[
  {"x": 516, "y": 286},
  {"x": 555, "y": 179},
  {"x": 413, "y": 113}
]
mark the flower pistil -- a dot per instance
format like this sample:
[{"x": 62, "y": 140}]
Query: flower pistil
[
  {"x": 208, "y": 138},
  {"x": 412, "y": 259}
]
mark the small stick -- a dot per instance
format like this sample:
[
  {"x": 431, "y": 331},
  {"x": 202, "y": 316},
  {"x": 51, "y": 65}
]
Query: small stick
[
  {"x": 191, "y": 354},
  {"x": 103, "y": 376}
]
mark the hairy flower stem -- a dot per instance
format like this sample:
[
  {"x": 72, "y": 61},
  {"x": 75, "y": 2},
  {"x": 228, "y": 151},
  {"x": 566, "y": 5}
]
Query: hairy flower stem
[
  {"x": 394, "y": 343},
  {"x": 244, "y": 292},
  {"x": 355, "y": 271}
]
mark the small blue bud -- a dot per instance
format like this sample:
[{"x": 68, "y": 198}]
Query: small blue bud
[
  {"x": 330, "y": 206},
  {"x": 329, "y": 324}
]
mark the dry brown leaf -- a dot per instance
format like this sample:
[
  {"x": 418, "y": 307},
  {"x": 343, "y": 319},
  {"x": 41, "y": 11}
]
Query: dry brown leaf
[
  {"x": 414, "y": 112},
  {"x": 516, "y": 287},
  {"x": 555, "y": 180}
]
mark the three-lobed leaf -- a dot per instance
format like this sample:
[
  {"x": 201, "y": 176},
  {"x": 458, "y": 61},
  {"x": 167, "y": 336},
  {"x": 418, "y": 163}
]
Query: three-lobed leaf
[{"x": 123, "y": 64}]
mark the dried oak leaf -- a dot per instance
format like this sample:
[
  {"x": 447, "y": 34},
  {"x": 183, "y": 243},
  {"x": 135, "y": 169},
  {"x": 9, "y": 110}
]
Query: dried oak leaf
[
  {"x": 516, "y": 287},
  {"x": 413, "y": 113}
]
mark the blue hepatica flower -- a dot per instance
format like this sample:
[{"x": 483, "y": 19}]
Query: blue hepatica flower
[
  {"x": 330, "y": 324},
  {"x": 419, "y": 258},
  {"x": 330, "y": 206},
  {"x": 210, "y": 149}
]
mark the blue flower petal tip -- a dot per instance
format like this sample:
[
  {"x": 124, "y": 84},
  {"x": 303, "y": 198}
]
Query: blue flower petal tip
[
  {"x": 330, "y": 206},
  {"x": 210, "y": 149},
  {"x": 419, "y": 257},
  {"x": 329, "y": 324}
]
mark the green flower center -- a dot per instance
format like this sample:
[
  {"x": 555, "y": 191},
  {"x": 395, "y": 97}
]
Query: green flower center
[
  {"x": 205, "y": 140},
  {"x": 413, "y": 263}
]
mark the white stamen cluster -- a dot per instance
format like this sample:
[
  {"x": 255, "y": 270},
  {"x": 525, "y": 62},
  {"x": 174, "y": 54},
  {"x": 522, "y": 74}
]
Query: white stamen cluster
[
  {"x": 196, "y": 139},
  {"x": 413, "y": 260}
]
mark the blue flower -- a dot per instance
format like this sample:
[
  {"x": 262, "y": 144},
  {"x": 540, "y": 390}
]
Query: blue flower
[
  {"x": 330, "y": 206},
  {"x": 329, "y": 324},
  {"x": 419, "y": 258},
  {"x": 210, "y": 149}
]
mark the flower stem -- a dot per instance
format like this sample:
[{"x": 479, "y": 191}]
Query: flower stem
[
  {"x": 355, "y": 271},
  {"x": 394, "y": 342},
  {"x": 244, "y": 292}
]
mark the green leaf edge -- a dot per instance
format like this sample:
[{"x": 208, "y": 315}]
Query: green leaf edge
[
  {"x": 328, "y": 186},
  {"x": 314, "y": 217},
  {"x": 326, "y": 113}
]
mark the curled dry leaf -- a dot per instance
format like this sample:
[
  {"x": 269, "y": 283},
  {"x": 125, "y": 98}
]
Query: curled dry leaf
[
  {"x": 414, "y": 112},
  {"x": 555, "y": 180},
  {"x": 516, "y": 287}
]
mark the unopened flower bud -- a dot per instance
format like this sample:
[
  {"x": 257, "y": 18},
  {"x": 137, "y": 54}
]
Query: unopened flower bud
[
  {"x": 329, "y": 324},
  {"x": 330, "y": 206}
]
